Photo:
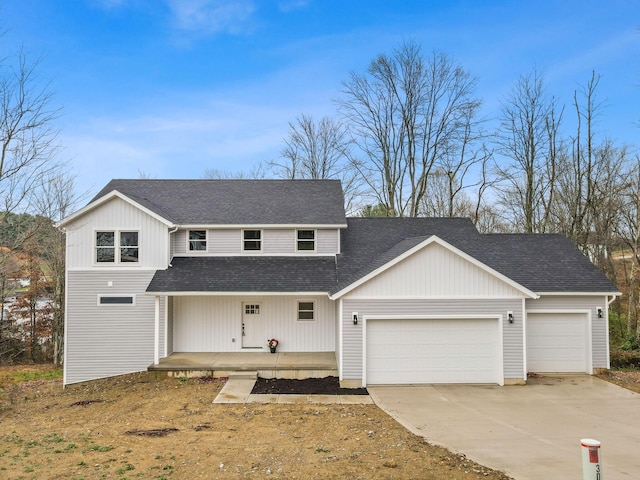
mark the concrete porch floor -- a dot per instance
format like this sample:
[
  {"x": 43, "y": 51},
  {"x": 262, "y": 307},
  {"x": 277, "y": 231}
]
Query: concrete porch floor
[{"x": 266, "y": 364}]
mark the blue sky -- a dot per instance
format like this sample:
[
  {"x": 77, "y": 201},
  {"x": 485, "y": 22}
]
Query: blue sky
[{"x": 173, "y": 87}]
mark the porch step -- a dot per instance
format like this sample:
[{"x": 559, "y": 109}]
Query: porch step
[{"x": 243, "y": 375}]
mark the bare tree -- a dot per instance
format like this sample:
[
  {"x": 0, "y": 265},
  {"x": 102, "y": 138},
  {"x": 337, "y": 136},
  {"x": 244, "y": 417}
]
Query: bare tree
[
  {"x": 256, "y": 172},
  {"x": 28, "y": 139},
  {"x": 628, "y": 230},
  {"x": 56, "y": 199},
  {"x": 28, "y": 150},
  {"x": 527, "y": 140},
  {"x": 318, "y": 151},
  {"x": 407, "y": 114}
]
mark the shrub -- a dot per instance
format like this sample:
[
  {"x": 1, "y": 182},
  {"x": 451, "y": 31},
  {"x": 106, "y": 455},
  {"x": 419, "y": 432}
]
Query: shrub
[{"x": 625, "y": 359}]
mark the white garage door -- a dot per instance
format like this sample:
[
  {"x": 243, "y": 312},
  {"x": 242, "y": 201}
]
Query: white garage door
[
  {"x": 432, "y": 351},
  {"x": 557, "y": 342}
]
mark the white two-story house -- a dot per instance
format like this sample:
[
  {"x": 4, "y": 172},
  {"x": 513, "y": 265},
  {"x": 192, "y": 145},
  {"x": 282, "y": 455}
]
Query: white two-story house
[{"x": 156, "y": 267}]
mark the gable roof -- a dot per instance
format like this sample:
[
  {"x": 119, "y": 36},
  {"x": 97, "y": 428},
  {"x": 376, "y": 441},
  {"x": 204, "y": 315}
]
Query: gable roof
[
  {"x": 138, "y": 203},
  {"x": 541, "y": 263},
  {"x": 408, "y": 247},
  {"x": 237, "y": 202},
  {"x": 369, "y": 243}
]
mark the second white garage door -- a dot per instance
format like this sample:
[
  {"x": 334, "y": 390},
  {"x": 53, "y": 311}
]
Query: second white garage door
[
  {"x": 408, "y": 351},
  {"x": 557, "y": 342}
]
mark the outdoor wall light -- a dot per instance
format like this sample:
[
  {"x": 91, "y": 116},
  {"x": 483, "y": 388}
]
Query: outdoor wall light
[
  {"x": 510, "y": 316},
  {"x": 355, "y": 318},
  {"x": 600, "y": 312}
]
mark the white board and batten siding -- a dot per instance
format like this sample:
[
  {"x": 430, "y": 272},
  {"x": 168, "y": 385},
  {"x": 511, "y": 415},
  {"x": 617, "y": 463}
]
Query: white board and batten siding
[
  {"x": 275, "y": 241},
  {"x": 108, "y": 340},
  {"x": 214, "y": 323},
  {"x": 435, "y": 271},
  {"x": 116, "y": 214},
  {"x": 581, "y": 311},
  {"x": 439, "y": 286}
]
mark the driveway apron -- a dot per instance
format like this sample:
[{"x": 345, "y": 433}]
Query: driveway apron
[{"x": 531, "y": 431}]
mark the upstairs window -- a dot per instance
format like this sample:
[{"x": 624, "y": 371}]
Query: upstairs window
[
  {"x": 197, "y": 240},
  {"x": 113, "y": 246},
  {"x": 252, "y": 240},
  {"x": 105, "y": 247},
  {"x": 306, "y": 241},
  {"x": 129, "y": 248}
]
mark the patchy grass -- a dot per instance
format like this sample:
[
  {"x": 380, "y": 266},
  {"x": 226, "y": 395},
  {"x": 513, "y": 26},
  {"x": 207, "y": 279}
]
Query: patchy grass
[
  {"x": 17, "y": 374},
  {"x": 44, "y": 436}
]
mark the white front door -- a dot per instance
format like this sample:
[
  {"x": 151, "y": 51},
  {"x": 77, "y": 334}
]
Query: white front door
[{"x": 252, "y": 327}]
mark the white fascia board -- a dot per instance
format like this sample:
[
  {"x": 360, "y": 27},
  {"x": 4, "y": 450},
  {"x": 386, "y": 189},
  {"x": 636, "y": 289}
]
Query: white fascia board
[
  {"x": 104, "y": 199},
  {"x": 255, "y": 253},
  {"x": 264, "y": 226},
  {"x": 246, "y": 294},
  {"x": 578, "y": 294},
  {"x": 448, "y": 246}
]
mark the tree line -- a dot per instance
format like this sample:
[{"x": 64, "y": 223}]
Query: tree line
[{"x": 407, "y": 139}]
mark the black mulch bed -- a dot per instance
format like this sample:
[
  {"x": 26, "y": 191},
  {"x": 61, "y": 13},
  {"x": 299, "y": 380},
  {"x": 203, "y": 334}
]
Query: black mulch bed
[{"x": 309, "y": 386}]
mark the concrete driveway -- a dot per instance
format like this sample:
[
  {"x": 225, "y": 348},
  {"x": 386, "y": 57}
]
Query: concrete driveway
[{"x": 530, "y": 432}]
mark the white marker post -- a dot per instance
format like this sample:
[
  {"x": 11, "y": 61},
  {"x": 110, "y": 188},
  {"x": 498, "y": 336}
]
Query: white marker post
[{"x": 591, "y": 469}]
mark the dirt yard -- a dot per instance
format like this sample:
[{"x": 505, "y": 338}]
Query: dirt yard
[{"x": 136, "y": 427}]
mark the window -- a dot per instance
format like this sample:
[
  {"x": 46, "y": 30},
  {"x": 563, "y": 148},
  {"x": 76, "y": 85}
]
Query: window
[
  {"x": 105, "y": 247},
  {"x": 110, "y": 242},
  {"x": 252, "y": 240},
  {"x": 116, "y": 300},
  {"x": 129, "y": 248},
  {"x": 197, "y": 240},
  {"x": 306, "y": 240},
  {"x": 306, "y": 311},
  {"x": 252, "y": 309}
]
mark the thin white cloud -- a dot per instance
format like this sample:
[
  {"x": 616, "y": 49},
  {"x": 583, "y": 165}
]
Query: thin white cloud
[
  {"x": 208, "y": 17},
  {"x": 291, "y": 5}
]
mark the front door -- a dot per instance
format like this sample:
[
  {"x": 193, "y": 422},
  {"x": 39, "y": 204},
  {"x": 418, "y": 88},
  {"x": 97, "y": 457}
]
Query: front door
[{"x": 252, "y": 327}]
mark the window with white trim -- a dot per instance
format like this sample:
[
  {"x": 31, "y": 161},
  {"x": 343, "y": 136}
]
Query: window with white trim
[
  {"x": 251, "y": 240},
  {"x": 113, "y": 246},
  {"x": 306, "y": 240},
  {"x": 306, "y": 311},
  {"x": 116, "y": 300},
  {"x": 252, "y": 309},
  {"x": 197, "y": 240}
]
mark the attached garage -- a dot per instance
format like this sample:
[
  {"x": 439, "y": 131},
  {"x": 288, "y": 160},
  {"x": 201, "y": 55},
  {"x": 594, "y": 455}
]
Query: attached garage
[
  {"x": 433, "y": 350},
  {"x": 558, "y": 342}
]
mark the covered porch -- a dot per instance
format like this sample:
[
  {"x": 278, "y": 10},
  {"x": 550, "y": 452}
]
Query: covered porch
[{"x": 297, "y": 365}]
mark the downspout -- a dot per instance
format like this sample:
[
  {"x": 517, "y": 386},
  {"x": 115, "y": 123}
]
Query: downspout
[
  {"x": 609, "y": 302},
  {"x": 156, "y": 331}
]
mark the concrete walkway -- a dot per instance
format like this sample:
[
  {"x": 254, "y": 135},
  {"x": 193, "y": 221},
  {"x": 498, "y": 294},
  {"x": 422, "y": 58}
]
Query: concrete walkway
[
  {"x": 238, "y": 390},
  {"x": 530, "y": 432}
]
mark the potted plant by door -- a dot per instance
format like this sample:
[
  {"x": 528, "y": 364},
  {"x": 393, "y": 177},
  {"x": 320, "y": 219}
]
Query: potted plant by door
[{"x": 273, "y": 344}]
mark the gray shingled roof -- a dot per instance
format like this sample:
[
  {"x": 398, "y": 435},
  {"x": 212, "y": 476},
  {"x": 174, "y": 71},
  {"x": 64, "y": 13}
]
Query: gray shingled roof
[
  {"x": 237, "y": 202},
  {"x": 246, "y": 274},
  {"x": 541, "y": 263},
  {"x": 369, "y": 243}
]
